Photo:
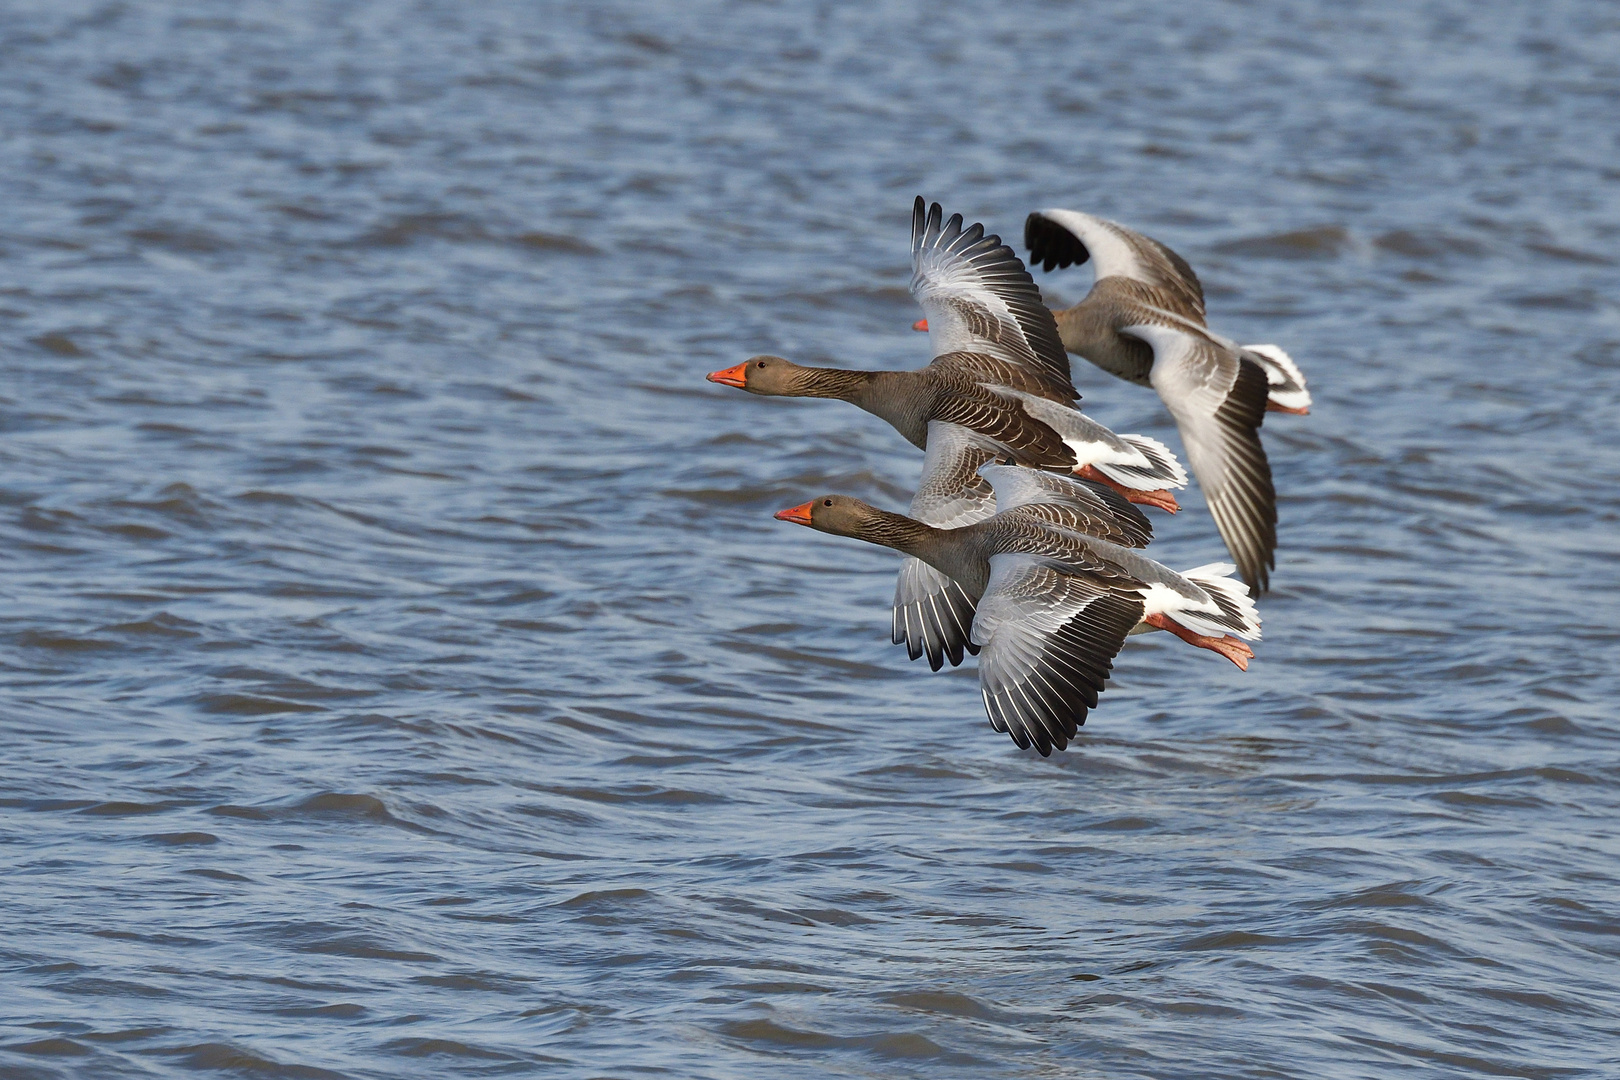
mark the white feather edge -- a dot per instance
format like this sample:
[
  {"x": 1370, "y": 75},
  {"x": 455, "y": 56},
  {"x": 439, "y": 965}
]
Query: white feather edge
[
  {"x": 937, "y": 275},
  {"x": 1138, "y": 483},
  {"x": 1280, "y": 370}
]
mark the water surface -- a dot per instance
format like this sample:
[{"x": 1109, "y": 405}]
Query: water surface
[{"x": 404, "y": 677}]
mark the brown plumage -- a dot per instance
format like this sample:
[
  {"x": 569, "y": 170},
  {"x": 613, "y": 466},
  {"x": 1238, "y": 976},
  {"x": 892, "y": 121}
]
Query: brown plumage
[{"x": 952, "y": 389}]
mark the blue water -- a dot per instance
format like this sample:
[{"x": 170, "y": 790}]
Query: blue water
[{"x": 403, "y": 675}]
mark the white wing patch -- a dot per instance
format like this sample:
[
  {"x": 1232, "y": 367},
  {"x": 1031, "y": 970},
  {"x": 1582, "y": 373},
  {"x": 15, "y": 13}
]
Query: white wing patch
[
  {"x": 1152, "y": 466},
  {"x": 1218, "y": 604},
  {"x": 1111, "y": 254},
  {"x": 1285, "y": 381},
  {"x": 1188, "y": 371}
]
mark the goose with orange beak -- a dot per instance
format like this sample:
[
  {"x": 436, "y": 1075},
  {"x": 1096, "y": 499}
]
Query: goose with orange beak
[
  {"x": 999, "y": 370},
  {"x": 1054, "y": 602}
]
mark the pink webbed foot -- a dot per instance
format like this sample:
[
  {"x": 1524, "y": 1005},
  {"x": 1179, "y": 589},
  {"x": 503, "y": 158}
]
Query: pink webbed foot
[
  {"x": 1162, "y": 498},
  {"x": 1234, "y": 649}
]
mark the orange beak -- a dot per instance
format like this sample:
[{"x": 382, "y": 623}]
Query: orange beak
[
  {"x": 920, "y": 324},
  {"x": 799, "y": 515},
  {"x": 731, "y": 376}
]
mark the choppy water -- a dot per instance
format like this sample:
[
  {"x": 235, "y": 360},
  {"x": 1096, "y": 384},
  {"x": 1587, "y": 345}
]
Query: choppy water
[{"x": 403, "y": 676}]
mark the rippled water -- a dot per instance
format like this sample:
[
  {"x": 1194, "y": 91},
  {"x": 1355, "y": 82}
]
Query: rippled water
[{"x": 403, "y": 674}]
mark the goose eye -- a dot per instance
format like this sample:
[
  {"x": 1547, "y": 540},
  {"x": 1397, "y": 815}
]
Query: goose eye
[
  {"x": 826, "y": 502},
  {"x": 760, "y": 364}
]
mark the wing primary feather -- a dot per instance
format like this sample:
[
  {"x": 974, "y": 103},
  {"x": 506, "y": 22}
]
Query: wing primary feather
[
  {"x": 1033, "y": 719},
  {"x": 934, "y": 627},
  {"x": 979, "y": 298}
]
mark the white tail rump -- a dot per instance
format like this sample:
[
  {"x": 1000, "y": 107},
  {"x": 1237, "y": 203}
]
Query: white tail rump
[{"x": 1231, "y": 610}]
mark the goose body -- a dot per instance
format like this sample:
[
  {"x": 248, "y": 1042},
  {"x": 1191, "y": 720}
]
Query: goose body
[
  {"x": 1000, "y": 404},
  {"x": 1144, "y": 321},
  {"x": 1055, "y": 602}
]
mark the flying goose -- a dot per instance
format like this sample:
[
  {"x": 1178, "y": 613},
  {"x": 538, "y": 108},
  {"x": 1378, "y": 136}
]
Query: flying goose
[
  {"x": 1143, "y": 320},
  {"x": 1163, "y": 279},
  {"x": 998, "y": 387},
  {"x": 1055, "y": 603}
]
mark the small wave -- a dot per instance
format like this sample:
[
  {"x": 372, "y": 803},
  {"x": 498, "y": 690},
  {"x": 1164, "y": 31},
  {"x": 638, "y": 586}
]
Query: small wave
[
  {"x": 450, "y": 1048},
  {"x": 252, "y": 705},
  {"x": 946, "y": 1002},
  {"x": 1323, "y": 242},
  {"x": 557, "y": 242},
  {"x": 60, "y": 344},
  {"x": 53, "y": 1047},
  {"x": 226, "y": 1057},
  {"x": 126, "y": 809}
]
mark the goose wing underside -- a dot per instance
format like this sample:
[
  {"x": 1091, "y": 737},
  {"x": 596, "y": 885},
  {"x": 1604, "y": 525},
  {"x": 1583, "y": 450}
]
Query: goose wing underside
[
  {"x": 1218, "y": 400},
  {"x": 932, "y": 615},
  {"x": 979, "y": 298},
  {"x": 1049, "y": 635}
]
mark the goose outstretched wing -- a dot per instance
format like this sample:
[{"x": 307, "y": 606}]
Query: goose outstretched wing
[
  {"x": 1068, "y": 238},
  {"x": 1049, "y": 635},
  {"x": 1218, "y": 400},
  {"x": 932, "y": 615},
  {"x": 979, "y": 298}
]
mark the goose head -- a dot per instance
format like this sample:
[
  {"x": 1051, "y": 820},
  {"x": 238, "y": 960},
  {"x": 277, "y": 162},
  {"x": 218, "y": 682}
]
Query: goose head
[
  {"x": 843, "y": 515},
  {"x": 770, "y": 376}
]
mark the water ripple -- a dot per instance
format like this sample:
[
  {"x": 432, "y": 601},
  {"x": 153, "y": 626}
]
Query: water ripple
[{"x": 405, "y": 677}]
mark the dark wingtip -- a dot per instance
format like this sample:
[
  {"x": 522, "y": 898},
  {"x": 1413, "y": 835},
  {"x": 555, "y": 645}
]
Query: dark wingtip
[
  {"x": 1051, "y": 245},
  {"x": 1029, "y": 231},
  {"x": 1256, "y": 576}
]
